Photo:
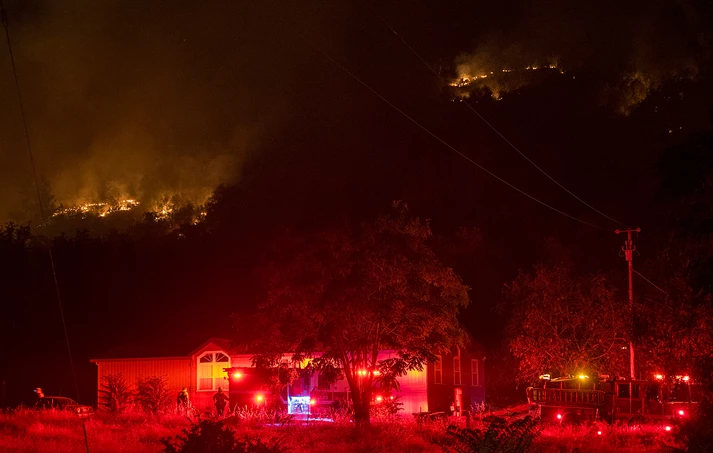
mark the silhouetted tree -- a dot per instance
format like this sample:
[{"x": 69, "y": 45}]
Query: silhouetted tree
[
  {"x": 343, "y": 295},
  {"x": 563, "y": 324}
]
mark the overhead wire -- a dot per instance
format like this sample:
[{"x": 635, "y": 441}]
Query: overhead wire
[
  {"x": 649, "y": 281},
  {"x": 58, "y": 294},
  {"x": 488, "y": 123},
  {"x": 439, "y": 139}
]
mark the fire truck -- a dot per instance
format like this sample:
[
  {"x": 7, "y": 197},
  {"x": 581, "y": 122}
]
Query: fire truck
[{"x": 577, "y": 399}]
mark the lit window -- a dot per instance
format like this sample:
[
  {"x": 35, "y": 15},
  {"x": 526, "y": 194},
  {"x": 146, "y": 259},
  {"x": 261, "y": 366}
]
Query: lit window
[
  {"x": 438, "y": 371},
  {"x": 474, "y": 372},
  {"x": 456, "y": 370},
  {"x": 210, "y": 371}
]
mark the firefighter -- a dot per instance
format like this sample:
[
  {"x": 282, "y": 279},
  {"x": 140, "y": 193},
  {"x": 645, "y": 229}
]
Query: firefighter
[
  {"x": 182, "y": 401},
  {"x": 38, "y": 396},
  {"x": 220, "y": 399}
]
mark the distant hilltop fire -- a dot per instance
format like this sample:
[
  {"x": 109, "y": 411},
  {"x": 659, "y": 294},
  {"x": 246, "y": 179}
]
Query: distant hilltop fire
[
  {"x": 160, "y": 210},
  {"x": 498, "y": 82},
  {"x": 465, "y": 80},
  {"x": 100, "y": 209}
]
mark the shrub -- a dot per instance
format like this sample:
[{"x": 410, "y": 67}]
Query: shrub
[
  {"x": 115, "y": 393},
  {"x": 152, "y": 394},
  {"x": 388, "y": 408},
  {"x": 500, "y": 437},
  {"x": 208, "y": 436}
]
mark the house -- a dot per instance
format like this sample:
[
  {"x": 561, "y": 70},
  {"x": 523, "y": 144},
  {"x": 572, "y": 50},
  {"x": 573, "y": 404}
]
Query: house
[{"x": 456, "y": 379}]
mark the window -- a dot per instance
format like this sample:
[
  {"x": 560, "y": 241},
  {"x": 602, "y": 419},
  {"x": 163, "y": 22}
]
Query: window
[
  {"x": 210, "y": 371},
  {"x": 438, "y": 371},
  {"x": 475, "y": 376},
  {"x": 456, "y": 370}
]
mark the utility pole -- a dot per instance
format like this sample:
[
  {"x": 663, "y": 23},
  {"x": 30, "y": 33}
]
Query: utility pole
[{"x": 629, "y": 249}]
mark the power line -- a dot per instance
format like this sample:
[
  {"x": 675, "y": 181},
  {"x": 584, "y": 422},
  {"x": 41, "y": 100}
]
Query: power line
[
  {"x": 3, "y": 19},
  {"x": 490, "y": 125},
  {"x": 432, "y": 134},
  {"x": 649, "y": 282}
]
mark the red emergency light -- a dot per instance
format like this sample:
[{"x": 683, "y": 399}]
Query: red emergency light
[{"x": 237, "y": 375}]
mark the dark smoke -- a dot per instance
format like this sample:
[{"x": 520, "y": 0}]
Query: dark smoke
[
  {"x": 634, "y": 46},
  {"x": 138, "y": 99}
]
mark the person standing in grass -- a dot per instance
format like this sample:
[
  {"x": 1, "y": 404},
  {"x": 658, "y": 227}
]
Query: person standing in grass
[
  {"x": 182, "y": 401},
  {"x": 220, "y": 400}
]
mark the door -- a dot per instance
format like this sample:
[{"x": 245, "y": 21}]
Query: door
[{"x": 458, "y": 400}]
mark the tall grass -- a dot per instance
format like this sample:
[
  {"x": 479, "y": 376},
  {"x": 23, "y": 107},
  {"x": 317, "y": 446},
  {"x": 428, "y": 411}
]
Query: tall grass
[{"x": 25, "y": 431}]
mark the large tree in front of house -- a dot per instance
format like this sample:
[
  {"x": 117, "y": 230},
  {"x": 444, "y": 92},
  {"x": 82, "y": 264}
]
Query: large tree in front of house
[{"x": 343, "y": 294}]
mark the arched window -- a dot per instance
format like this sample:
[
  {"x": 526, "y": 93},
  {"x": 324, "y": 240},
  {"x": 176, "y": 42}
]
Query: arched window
[{"x": 210, "y": 370}]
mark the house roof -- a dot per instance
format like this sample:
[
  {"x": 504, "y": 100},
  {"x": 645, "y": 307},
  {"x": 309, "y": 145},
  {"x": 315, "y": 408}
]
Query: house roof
[{"x": 162, "y": 348}]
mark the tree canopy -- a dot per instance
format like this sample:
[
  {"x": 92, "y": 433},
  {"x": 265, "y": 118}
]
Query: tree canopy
[
  {"x": 344, "y": 294},
  {"x": 564, "y": 324}
]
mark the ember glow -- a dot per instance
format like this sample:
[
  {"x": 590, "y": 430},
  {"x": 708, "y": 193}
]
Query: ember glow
[
  {"x": 466, "y": 78},
  {"x": 101, "y": 209}
]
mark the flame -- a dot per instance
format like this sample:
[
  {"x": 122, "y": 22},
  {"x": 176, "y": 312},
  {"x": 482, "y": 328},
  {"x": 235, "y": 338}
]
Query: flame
[
  {"x": 465, "y": 80},
  {"x": 102, "y": 209}
]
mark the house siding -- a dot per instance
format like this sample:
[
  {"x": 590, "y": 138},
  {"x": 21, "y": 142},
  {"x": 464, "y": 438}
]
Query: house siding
[
  {"x": 178, "y": 372},
  {"x": 442, "y": 395}
]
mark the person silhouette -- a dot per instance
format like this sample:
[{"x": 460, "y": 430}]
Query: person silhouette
[
  {"x": 220, "y": 400},
  {"x": 182, "y": 401}
]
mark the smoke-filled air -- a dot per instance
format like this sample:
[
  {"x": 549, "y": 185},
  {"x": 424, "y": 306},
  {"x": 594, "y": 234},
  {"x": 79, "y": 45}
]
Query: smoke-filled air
[
  {"x": 133, "y": 104},
  {"x": 563, "y": 41}
]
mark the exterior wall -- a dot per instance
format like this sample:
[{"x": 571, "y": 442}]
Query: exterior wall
[
  {"x": 178, "y": 371},
  {"x": 413, "y": 392},
  {"x": 442, "y": 395}
]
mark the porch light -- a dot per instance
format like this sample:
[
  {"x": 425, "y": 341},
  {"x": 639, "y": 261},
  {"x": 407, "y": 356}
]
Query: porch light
[
  {"x": 659, "y": 377},
  {"x": 237, "y": 375}
]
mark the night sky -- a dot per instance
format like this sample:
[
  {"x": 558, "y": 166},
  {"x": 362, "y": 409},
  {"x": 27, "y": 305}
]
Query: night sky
[{"x": 149, "y": 100}]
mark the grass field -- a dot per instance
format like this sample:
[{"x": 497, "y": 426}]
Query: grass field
[{"x": 48, "y": 431}]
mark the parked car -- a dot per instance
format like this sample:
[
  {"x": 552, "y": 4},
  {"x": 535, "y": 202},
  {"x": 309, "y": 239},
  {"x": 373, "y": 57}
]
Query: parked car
[{"x": 62, "y": 403}]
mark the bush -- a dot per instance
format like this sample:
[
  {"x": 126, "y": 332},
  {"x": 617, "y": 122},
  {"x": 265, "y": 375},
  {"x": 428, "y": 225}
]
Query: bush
[
  {"x": 115, "y": 393},
  {"x": 387, "y": 409},
  {"x": 208, "y": 436},
  {"x": 152, "y": 394},
  {"x": 500, "y": 437}
]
